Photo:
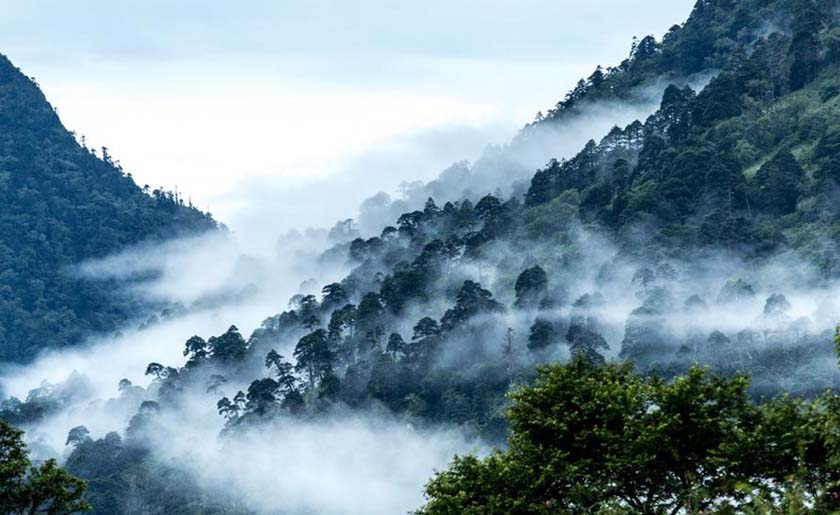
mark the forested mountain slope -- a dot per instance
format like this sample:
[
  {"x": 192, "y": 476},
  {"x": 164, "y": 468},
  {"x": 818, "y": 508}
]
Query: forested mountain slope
[
  {"x": 705, "y": 234},
  {"x": 61, "y": 204}
]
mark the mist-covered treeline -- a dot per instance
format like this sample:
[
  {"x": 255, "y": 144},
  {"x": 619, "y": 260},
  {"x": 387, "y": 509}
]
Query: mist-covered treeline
[{"x": 705, "y": 234}]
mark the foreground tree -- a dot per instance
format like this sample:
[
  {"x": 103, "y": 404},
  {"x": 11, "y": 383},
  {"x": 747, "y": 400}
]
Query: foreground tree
[
  {"x": 26, "y": 489},
  {"x": 589, "y": 438}
]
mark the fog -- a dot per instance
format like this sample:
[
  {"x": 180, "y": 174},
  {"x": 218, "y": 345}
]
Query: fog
[
  {"x": 362, "y": 462},
  {"x": 370, "y": 461},
  {"x": 346, "y": 463}
]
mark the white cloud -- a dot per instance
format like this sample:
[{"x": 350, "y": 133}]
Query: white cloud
[{"x": 215, "y": 96}]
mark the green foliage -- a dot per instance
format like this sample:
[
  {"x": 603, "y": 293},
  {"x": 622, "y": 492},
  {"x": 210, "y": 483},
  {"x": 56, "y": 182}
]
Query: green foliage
[
  {"x": 27, "y": 489},
  {"x": 61, "y": 204},
  {"x": 747, "y": 166},
  {"x": 592, "y": 438},
  {"x": 779, "y": 182}
]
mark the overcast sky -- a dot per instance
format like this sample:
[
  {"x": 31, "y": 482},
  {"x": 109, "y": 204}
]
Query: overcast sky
[{"x": 252, "y": 99}]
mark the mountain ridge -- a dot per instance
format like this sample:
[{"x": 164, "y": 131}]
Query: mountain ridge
[
  {"x": 60, "y": 204},
  {"x": 690, "y": 237}
]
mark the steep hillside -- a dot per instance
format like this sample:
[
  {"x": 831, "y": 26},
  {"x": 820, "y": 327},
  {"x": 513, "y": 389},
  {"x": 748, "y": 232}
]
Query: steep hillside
[
  {"x": 690, "y": 54},
  {"x": 60, "y": 204},
  {"x": 705, "y": 234}
]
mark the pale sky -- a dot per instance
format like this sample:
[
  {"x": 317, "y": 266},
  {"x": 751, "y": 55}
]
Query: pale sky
[{"x": 237, "y": 103}]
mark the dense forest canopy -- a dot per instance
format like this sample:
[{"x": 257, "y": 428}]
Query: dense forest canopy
[
  {"x": 684, "y": 268},
  {"x": 61, "y": 204}
]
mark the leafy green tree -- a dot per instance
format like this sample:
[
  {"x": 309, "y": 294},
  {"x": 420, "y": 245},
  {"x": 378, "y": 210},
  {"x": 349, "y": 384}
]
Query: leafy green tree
[
  {"x": 26, "y": 489},
  {"x": 720, "y": 100},
  {"x": 587, "y": 438}
]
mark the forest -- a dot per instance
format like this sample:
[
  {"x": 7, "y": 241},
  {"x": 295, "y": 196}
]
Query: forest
[
  {"x": 645, "y": 327},
  {"x": 52, "y": 188}
]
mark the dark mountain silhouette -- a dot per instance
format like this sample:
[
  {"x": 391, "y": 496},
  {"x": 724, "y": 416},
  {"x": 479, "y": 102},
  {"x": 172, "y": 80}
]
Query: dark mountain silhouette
[{"x": 60, "y": 204}]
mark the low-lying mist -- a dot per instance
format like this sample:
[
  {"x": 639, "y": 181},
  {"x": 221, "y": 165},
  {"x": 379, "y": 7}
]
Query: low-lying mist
[{"x": 661, "y": 313}]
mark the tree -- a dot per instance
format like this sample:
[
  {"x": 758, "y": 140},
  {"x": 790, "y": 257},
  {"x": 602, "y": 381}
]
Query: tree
[
  {"x": 313, "y": 356},
  {"x": 396, "y": 345},
  {"x": 735, "y": 290},
  {"x": 644, "y": 279},
  {"x": 283, "y": 370},
  {"x": 778, "y": 184},
  {"x": 214, "y": 384},
  {"x": 470, "y": 301},
  {"x": 718, "y": 101},
  {"x": 229, "y": 347},
  {"x": 77, "y": 436},
  {"x": 587, "y": 343},
  {"x": 508, "y": 349},
  {"x": 124, "y": 386},
  {"x": 341, "y": 319},
  {"x": 262, "y": 396},
  {"x": 227, "y": 409},
  {"x": 586, "y": 438},
  {"x": 196, "y": 349},
  {"x": 423, "y": 341},
  {"x": 430, "y": 209},
  {"x": 307, "y": 309},
  {"x": 531, "y": 287},
  {"x": 804, "y": 46},
  {"x": 26, "y": 489},
  {"x": 156, "y": 369},
  {"x": 343, "y": 231},
  {"x": 542, "y": 334},
  {"x": 334, "y": 295},
  {"x": 426, "y": 328},
  {"x": 369, "y": 312},
  {"x": 311, "y": 322}
]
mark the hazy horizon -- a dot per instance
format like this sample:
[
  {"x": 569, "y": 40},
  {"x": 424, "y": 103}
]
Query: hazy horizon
[{"x": 236, "y": 106}]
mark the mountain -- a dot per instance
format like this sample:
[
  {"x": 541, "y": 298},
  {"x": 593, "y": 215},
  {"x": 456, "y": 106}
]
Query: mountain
[
  {"x": 62, "y": 204},
  {"x": 705, "y": 234}
]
